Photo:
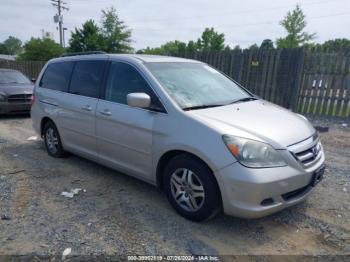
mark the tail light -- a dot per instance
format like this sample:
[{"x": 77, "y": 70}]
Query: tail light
[{"x": 32, "y": 100}]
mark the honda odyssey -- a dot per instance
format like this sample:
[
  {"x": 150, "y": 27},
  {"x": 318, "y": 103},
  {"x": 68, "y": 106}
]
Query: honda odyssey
[{"x": 181, "y": 125}]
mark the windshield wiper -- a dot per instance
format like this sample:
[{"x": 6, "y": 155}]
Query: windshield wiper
[
  {"x": 245, "y": 99},
  {"x": 200, "y": 107}
]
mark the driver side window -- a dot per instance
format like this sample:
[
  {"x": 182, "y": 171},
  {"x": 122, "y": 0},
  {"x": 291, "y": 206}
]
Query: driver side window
[{"x": 124, "y": 79}]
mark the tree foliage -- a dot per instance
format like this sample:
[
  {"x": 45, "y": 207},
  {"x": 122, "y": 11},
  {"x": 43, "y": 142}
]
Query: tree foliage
[
  {"x": 11, "y": 46},
  {"x": 41, "y": 49},
  {"x": 294, "y": 23},
  {"x": 210, "y": 40},
  {"x": 253, "y": 47},
  {"x": 169, "y": 48},
  {"x": 335, "y": 45},
  {"x": 88, "y": 38},
  {"x": 116, "y": 35},
  {"x": 266, "y": 44},
  {"x": 112, "y": 36}
]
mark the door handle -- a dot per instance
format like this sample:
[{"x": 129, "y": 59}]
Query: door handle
[
  {"x": 87, "y": 108},
  {"x": 106, "y": 112}
]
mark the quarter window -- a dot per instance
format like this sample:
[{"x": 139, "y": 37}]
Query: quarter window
[
  {"x": 86, "y": 78},
  {"x": 124, "y": 79},
  {"x": 57, "y": 76}
]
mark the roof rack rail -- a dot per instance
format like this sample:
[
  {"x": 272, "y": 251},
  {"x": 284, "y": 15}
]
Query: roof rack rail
[{"x": 83, "y": 53}]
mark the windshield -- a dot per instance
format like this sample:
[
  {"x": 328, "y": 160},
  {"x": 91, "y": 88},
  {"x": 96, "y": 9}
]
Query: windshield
[
  {"x": 194, "y": 85},
  {"x": 13, "y": 77}
]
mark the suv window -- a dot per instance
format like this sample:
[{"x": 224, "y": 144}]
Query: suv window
[
  {"x": 124, "y": 79},
  {"x": 57, "y": 76},
  {"x": 86, "y": 78}
]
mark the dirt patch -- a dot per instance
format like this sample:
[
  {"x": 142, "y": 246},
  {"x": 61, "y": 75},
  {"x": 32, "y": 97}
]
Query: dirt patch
[{"x": 115, "y": 214}]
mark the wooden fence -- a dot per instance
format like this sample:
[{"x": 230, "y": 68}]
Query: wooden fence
[
  {"x": 325, "y": 85},
  {"x": 307, "y": 82},
  {"x": 29, "y": 68}
]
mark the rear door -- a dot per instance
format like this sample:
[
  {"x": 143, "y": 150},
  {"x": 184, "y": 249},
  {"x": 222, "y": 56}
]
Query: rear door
[
  {"x": 124, "y": 133},
  {"x": 79, "y": 107}
]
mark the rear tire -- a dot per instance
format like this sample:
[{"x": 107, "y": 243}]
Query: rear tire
[
  {"x": 52, "y": 140},
  {"x": 191, "y": 188}
]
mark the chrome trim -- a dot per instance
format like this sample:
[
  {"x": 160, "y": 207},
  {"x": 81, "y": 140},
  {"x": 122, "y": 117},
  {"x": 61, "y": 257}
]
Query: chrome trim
[{"x": 307, "y": 152}]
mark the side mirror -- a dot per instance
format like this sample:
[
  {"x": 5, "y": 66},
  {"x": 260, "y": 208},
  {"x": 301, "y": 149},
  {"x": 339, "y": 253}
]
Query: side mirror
[
  {"x": 33, "y": 80},
  {"x": 141, "y": 100}
]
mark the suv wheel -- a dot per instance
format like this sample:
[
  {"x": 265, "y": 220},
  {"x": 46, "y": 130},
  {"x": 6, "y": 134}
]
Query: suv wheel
[
  {"x": 191, "y": 188},
  {"x": 52, "y": 140}
]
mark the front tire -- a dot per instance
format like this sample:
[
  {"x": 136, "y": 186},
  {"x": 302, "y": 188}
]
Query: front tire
[
  {"x": 191, "y": 188},
  {"x": 52, "y": 140}
]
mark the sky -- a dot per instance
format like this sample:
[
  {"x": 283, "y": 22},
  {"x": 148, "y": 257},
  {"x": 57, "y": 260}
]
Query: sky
[{"x": 154, "y": 22}]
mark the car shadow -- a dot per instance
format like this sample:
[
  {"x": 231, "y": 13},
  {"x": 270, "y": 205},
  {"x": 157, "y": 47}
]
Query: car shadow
[{"x": 14, "y": 116}]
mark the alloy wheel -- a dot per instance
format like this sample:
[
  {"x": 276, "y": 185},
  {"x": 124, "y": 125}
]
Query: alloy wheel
[
  {"x": 187, "y": 189},
  {"x": 52, "y": 140}
]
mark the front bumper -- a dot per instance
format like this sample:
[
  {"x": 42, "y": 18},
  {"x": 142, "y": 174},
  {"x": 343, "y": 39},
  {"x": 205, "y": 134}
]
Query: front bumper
[
  {"x": 14, "y": 108},
  {"x": 257, "y": 192}
]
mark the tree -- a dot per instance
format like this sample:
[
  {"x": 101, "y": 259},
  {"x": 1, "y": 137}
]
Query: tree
[
  {"x": 41, "y": 49},
  {"x": 3, "y": 49},
  {"x": 174, "y": 47},
  {"x": 116, "y": 35},
  {"x": 192, "y": 46},
  {"x": 169, "y": 48},
  {"x": 253, "y": 47},
  {"x": 211, "y": 41},
  {"x": 336, "y": 45},
  {"x": 294, "y": 23},
  {"x": 11, "y": 46},
  {"x": 88, "y": 38},
  {"x": 227, "y": 48},
  {"x": 237, "y": 47},
  {"x": 266, "y": 44}
]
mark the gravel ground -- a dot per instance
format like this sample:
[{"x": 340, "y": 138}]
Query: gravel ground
[{"x": 117, "y": 215}]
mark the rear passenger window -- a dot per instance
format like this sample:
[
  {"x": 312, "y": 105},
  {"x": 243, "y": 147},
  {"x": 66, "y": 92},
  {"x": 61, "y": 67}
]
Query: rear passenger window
[
  {"x": 86, "y": 78},
  {"x": 57, "y": 76}
]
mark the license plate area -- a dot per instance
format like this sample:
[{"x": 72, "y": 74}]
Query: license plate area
[{"x": 317, "y": 176}]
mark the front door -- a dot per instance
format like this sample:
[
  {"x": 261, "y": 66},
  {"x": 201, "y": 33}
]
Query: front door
[{"x": 124, "y": 133}]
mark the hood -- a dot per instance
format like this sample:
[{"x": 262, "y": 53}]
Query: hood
[
  {"x": 259, "y": 120},
  {"x": 15, "y": 89}
]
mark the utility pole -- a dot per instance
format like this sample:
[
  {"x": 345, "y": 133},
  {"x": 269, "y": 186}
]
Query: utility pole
[
  {"x": 58, "y": 18},
  {"x": 64, "y": 39}
]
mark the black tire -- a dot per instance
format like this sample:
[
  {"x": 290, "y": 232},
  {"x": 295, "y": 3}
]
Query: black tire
[
  {"x": 211, "y": 204},
  {"x": 58, "y": 152}
]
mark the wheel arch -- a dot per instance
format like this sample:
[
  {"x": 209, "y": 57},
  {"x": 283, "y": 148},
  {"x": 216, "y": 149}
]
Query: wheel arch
[
  {"x": 167, "y": 156},
  {"x": 43, "y": 122}
]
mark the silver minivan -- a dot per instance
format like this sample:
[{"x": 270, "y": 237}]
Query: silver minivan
[{"x": 181, "y": 125}]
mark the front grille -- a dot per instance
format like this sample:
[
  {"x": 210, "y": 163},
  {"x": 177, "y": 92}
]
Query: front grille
[
  {"x": 309, "y": 155},
  {"x": 20, "y": 98},
  {"x": 296, "y": 193},
  {"x": 307, "y": 152}
]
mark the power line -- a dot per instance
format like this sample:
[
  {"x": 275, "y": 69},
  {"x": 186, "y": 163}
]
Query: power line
[{"x": 58, "y": 18}]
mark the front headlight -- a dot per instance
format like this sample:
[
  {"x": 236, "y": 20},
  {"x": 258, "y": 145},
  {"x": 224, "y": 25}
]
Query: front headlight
[{"x": 251, "y": 153}]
